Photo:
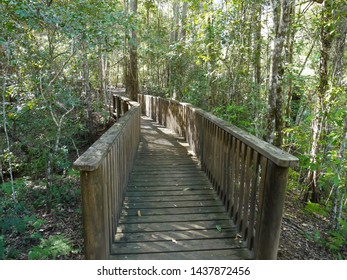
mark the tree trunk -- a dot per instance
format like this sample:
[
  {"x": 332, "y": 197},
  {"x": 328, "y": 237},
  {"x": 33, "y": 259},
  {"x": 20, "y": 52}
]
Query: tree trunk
[
  {"x": 87, "y": 92},
  {"x": 133, "y": 82},
  {"x": 290, "y": 58},
  {"x": 281, "y": 11},
  {"x": 337, "y": 78},
  {"x": 8, "y": 144},
  {"x": 318, "y": 122}
]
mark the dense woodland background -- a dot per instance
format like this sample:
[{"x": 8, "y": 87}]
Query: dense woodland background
[{"x": 274, "y": 68}]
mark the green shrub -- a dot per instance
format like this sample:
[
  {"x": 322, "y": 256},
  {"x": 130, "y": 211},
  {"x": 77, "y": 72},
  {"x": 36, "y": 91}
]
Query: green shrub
[
  {"x": 55, "y": 246},
  {"x": 2, "y": 247},
  {"x": 337, "y": 239}
]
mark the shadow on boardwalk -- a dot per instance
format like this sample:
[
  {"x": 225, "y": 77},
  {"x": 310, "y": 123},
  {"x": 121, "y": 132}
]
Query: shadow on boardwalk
[{"x": 171, "y": 210}]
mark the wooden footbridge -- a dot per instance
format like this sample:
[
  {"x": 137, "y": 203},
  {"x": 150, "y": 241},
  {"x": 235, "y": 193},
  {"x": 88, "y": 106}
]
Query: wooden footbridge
[{"x": 171, "y": 181}]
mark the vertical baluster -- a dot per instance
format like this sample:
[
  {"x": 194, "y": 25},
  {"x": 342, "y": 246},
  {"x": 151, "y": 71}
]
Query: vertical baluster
[
  {"x": 272, "y": 209},
  {"x": 113, "y": 190},
  {"x": 227, "y": 171},
  {"x": 253, "y": 195},
  {"x": 242, "y": 169},
  {"x": 260, "y": 195},
  {"x": 237, "y": 181},
  {"x": 233, "y": 177},
  {"x": 246, "y": 199},
  {"x": 119, "y": 108},
  {"x": 213, "y": 154},
  {"x": 109, "y": 197},
  {"x": 223, "y": 169}
]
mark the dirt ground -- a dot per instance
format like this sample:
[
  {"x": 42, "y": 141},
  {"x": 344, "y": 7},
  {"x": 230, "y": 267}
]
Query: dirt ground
[{"x": 299, "y": 237}]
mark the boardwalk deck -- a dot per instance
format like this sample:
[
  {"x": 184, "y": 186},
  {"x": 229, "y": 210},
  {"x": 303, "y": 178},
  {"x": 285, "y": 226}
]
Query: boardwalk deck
[{"x": 170, "y": 210}]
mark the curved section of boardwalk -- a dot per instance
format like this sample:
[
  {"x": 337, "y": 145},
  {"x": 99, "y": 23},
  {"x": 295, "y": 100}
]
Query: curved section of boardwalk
[{"x": 171, "y": 210}]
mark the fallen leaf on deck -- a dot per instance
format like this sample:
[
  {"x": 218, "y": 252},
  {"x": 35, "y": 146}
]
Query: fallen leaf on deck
[
  {"x": 174, "y": 241},
  {"x": 219, "y": 228},
  {"x": 139, "y": 213},
  {"x": 186, "y": 189}
]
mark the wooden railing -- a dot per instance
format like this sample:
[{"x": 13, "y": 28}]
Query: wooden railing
[
  {"x": 104, "y": 172},
  {"x": 249, "y": 175}
]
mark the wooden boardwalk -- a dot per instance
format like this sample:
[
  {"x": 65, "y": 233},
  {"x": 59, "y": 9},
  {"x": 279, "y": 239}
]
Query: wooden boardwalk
[{"x": 171, "y": 210}]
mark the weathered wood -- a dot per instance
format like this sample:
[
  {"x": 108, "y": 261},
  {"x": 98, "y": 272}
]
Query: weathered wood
[
  {"x": 177, "y": 226},
  {"x": 180, "y": 203},
  {"x": 237, "y": 164},
  {"x": 173, "y": 210},
  {"x": 201, "y": 235},
  {"x": 224, "y": 254},
  {"x": 173, "y": 204},
  {"x": 169, "y": 193},
  {"x": 271, "y": 212},
  {"x": 95, "y": 235},
  {"x": 201, "y": 197},
  {"x": 145, "y": 218},
  {"x": 176, "y": 246},
  {"x": 104, "y": 171}
]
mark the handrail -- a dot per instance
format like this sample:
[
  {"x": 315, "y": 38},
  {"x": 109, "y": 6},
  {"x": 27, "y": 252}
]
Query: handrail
[
  {"x": 104, "y": 171},
  {"x": 249, "y": 175}
]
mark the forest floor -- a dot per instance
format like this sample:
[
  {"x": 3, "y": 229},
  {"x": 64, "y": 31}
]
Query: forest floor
[{"x": 303, "y": 233}]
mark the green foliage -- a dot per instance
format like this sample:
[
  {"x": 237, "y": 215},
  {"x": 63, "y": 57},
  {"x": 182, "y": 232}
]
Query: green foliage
[
  {"x": 2, "y": 247},
  {"x": 337, "y": 239},
  {"x": 56, "y": 246},
  {"x": 316, "y": 208},
  {"x": 21, "y": 222}
]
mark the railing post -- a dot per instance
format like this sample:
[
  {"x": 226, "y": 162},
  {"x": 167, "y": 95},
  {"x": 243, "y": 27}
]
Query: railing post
[
  {"x": 269, "y": 227},
  {"x": 118, "y": 102},
  {"x": 114, "y": 104},
  {"x": 93, "y": 207},
  {"x": 125, "y": 107}
]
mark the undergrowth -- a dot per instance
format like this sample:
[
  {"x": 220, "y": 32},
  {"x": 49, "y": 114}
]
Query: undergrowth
[{"x": 28, "y": 230}]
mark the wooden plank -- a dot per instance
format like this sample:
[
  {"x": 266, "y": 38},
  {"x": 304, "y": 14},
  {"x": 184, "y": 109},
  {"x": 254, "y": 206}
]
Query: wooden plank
[
  {"x": 178, "y": 246},
  {"x": 176, "y": 235},
  {"x": 144, "y": 218},
  {"x": 163, "y": 170},
  {"x": 172, "y": 211},
  {"x": 168, "y": 188},
  {"x": 172, "y": 204},
  {"x": 170, "y": 198},
  {"x": 177, "y": 226},
  {"x": 173, "y": 185},
  {"x": 167, "y": 182},
  {"x": 224, "y": 254},
  {"x": 181, "y": 192},
  {"x": 167, "y": 177}
]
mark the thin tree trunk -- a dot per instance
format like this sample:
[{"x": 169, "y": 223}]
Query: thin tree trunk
[
  {"x": 290, "y": 57},
  {"x": 133, "y": 82},
  {"x": 87, "y": 92},
  {"x": 281, "y": 11},
  {"x": 337, "y": 78},
  {"x": 257, "y": 47},
  {"x": 8, "y": 144},
  {"x": 318, "y": 122}
]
